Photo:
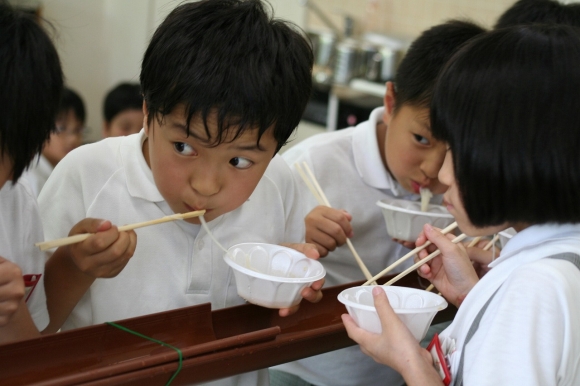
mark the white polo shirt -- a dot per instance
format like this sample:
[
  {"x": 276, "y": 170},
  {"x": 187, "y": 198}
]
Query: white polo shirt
[
  {"x": 348, "y": 165},
  {"x": 530, "y": 332},
  {"x": 20, "y": 228},
  {"x": 37, "y": 173},
  {"x": 176, "y": 264}
]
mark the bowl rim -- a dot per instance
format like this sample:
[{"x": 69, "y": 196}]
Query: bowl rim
[
  {"x": 279, "y": 279},
  {"x": 384, "y": 205},
  {"x": 443, "y": 305}
]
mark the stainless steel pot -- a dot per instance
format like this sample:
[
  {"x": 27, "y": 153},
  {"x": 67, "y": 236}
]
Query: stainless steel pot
[{"x": 323, "y": 47}]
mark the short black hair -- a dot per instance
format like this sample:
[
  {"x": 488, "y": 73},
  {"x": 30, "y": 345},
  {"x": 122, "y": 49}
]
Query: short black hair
[
  {"x": 417, "y": 72},
  {"x": 507, "y": 104},
  {"x": 540, "y": 11},
  {"x": 124, "y": 96},
  {"x": 31, "y": 82},
  {"x": 230, "y": 57},
  {"x": 71, "y": 100}
]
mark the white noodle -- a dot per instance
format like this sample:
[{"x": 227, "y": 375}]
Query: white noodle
[
  {"x": 425, "y": 198},
  {"x": 204, "y": 225}
]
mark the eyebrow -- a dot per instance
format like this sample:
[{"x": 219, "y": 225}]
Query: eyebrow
[{"x": 182, "y": 127}]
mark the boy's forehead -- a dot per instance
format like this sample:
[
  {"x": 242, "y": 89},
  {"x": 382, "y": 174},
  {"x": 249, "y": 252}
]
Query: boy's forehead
[
  {"x": 197, "y": 127},
  {"x": 419, "y": 114}
]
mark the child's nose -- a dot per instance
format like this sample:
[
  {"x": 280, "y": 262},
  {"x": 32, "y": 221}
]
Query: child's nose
[
  {"x": 205, "y": 181},
  {"x": 432, "y": 164}
]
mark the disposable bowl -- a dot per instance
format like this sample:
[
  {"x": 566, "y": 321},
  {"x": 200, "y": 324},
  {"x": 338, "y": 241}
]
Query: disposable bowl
[
  {"x": 415, "y": 307},
  {"x": 405, "y": 219},
  {"x": 271, "y": 275},
  {"x": 506, "y": 235}
]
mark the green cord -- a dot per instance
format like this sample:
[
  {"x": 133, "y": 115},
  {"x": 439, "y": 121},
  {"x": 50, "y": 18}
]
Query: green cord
[{"x": 156, "y": 341}]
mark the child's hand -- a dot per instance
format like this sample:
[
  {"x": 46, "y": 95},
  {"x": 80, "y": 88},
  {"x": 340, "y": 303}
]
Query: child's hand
[
  {"x": 105, "y": 253},
  {"x": 451, "y": 272},
  {"x": 313, "y": 293},
  {"x": 395, "y": 346},
  {"x": 15, "y": 320},
  {"x": 11, "y": 290},
  {"x": 327, "y": 228}
]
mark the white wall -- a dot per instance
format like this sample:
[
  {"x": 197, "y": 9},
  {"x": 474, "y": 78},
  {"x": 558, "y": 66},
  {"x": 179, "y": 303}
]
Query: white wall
[{"x": 101, "y": 42}]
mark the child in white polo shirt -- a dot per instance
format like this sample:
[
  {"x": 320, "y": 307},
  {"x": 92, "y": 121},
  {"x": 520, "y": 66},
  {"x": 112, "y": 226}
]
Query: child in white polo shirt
[
  {"x": 393, "y": 154},
  {"x": 224, "y": 86},
  {"x": 30, "y": 85}
]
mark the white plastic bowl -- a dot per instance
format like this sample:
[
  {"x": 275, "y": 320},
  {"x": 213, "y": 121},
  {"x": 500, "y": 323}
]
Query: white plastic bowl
[
  {"x": 415, "y": 307},
  {"x": 405, "y": 219},
  {"x": 506, "y": 235},
  {"x": 271, "y": 275}
]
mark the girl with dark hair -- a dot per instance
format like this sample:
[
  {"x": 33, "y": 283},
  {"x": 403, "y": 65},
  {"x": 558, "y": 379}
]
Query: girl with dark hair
[
  {"x": 30, "y": 86},
  {"x": 507, "y": 106}
]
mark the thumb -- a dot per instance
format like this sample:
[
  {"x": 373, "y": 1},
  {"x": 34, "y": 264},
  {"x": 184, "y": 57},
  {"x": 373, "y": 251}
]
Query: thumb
[{"x": 384, "y": 309}]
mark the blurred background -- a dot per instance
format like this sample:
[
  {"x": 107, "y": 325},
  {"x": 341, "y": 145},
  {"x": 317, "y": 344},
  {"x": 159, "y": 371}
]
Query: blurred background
[{"x": 357, "y": 45}]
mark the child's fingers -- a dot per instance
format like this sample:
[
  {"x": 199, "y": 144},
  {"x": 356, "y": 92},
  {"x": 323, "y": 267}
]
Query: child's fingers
[
  {"x": 11, "y": 290},
  {"x": 441, "y": 241},
  {"x": 307, "y": 249},
  {"x": 480, "y": 256},
  {"x": 90, "y": 225},
  {"x": 313, "y": 294}
]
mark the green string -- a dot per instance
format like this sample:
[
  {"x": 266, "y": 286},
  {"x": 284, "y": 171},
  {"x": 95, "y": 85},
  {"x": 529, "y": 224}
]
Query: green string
[{"x": 156, "y": 341}]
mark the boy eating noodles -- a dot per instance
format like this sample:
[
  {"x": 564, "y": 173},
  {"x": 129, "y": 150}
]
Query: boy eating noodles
[
  {"x": 392, "y": 155},
  {"x": 224, "y": 86}
]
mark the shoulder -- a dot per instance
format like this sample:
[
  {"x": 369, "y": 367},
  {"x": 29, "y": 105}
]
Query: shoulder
[
  {"x": 546, "y": 283},
  {"x": 278, "y": 170},
  {"x": 99, "y": 152},
  {"x": 320, "y": 145}
]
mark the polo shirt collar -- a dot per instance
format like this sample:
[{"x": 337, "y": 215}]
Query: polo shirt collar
[
  {"x": 140, "y": 181},
  {"x": 367, "y": 157}
]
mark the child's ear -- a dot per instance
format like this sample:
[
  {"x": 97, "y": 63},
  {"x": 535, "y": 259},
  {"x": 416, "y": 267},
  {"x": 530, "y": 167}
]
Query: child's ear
[
  {"x": 389, "y": 102},
  {"x": 145, "y": 126}
]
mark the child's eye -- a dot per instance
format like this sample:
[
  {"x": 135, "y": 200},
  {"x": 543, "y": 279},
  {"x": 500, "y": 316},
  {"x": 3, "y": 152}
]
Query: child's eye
[
  {"x": 183, "y": 148},
  {"x": 422, "y": 140},
  {"x": 241, "y": 163}
]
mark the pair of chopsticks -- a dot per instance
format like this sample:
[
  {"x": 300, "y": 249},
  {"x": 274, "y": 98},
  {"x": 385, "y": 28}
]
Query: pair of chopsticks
[
  {"x": 83, "y": 236},
  {"x": 314, "y": 186},
  {"x": 426, "y": 259}
]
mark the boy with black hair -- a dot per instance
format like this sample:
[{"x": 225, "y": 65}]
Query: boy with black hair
[
  {"x": 70, "y": 123},
  {"x": 31, "y": 82},
  {"x": 123, "y": 110},
  {"x": 393, "y": 154},
  {"x": 224, "y": 86},
  {"x": 540, "y": 11}
]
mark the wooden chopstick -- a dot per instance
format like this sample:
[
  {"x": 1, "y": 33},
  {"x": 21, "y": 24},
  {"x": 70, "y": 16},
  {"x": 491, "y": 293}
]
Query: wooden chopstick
[
  {"x": 408, "y": 255},
  {"x": 422, "y": 261},
  {"x": 83, "y": 236},
  {"x": 318, "y": 193}
]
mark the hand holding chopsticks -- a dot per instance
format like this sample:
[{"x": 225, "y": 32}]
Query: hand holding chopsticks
[
  {"x": 314, "y": 187},
  {"x": 81, "y": 237}
]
